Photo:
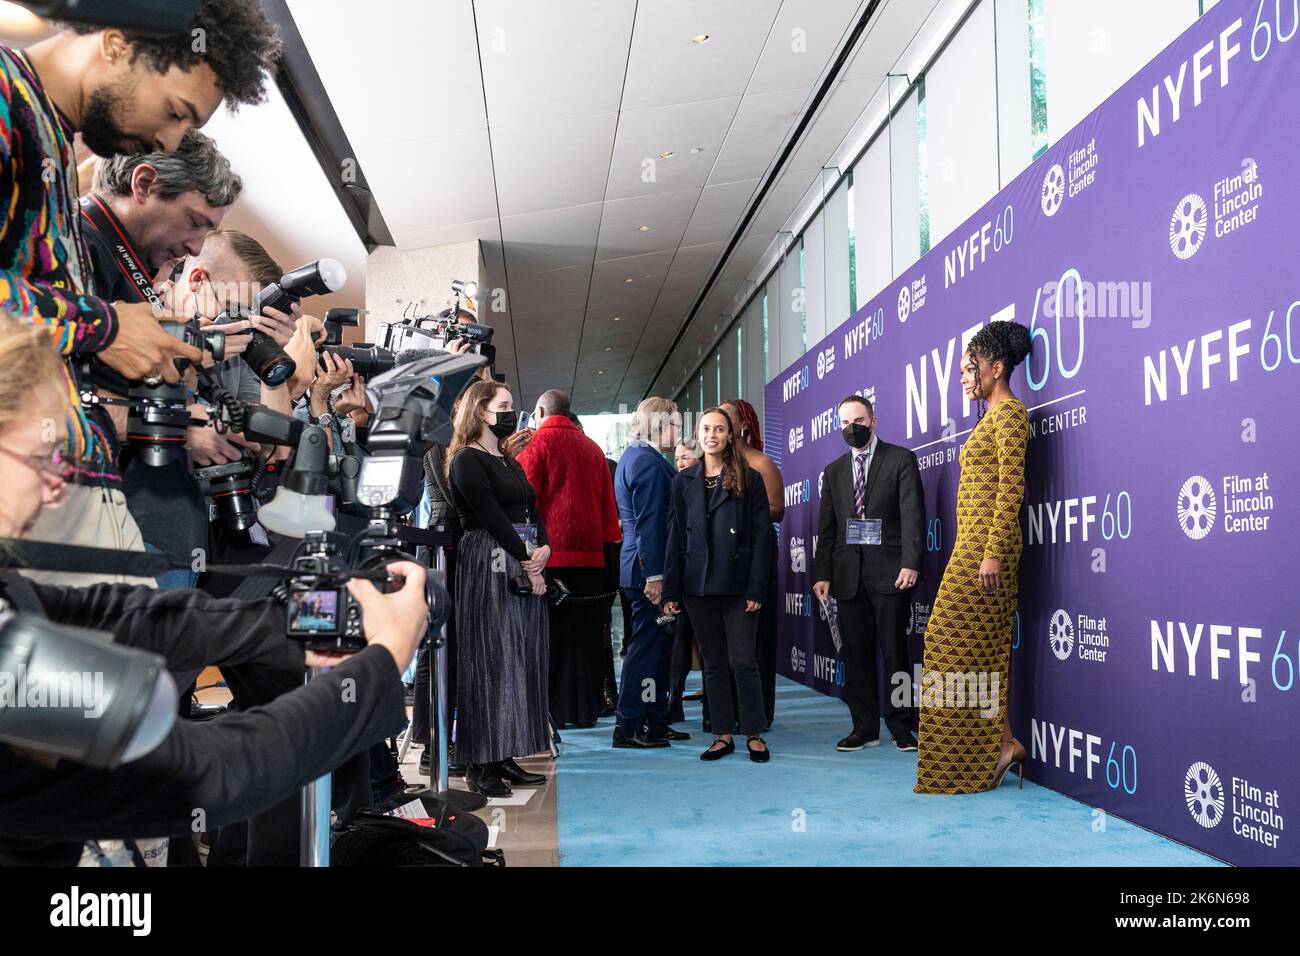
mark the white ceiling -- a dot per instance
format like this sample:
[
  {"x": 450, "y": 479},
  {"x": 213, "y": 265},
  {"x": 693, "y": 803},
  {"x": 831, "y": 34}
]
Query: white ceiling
[
  {"x": 287, "y": 203},
  {"x": 536, "y": 127}
]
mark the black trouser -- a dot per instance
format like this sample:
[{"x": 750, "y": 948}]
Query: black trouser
[
  {"x": 728, "y": 637},
  {"x": 683, "y": 642},
  {"x": 868, "y": 619}
]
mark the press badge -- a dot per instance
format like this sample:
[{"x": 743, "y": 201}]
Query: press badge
[
  {"x": 863, "y": 531},
  {"x": 528, "y": 535}
]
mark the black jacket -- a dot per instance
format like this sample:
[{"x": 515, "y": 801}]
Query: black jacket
[
  {"x": 736, "y": 553},
  {"x": 442, "y": 509},
  {"x": 894, "y": 495},
  {"x": 229, "y": 768}
]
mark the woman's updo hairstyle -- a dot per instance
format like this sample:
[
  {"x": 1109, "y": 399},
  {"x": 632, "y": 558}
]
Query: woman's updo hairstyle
[
  {"x": 1005, "y": 342},
  {"x": 1001, "y": 341}
]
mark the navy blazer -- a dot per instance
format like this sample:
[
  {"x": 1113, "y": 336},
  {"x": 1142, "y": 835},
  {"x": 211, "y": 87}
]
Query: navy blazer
[
  {"x": 642, "y": 486},
  {"x": 734, "y": 556}
]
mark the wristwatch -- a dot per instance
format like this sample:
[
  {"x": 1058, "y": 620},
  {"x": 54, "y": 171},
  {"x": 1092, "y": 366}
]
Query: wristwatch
[{"x": 325, "y": 420}]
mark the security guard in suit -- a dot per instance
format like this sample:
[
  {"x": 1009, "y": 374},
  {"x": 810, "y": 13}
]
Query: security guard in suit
[{"x": 871, "y": 532}]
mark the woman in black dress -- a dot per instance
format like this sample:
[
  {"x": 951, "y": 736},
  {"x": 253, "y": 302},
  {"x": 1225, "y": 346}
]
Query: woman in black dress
[{"x": 502, "y": 636}]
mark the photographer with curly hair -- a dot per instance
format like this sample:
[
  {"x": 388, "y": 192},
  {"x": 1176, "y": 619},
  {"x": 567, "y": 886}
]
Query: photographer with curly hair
[{"x": 124, "y": 92}]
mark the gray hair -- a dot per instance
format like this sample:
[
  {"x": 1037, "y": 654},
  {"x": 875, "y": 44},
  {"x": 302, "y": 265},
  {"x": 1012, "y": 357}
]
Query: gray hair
[
  {"x": 196, "y": 166},
  {"x": 554, "y": 402},
  {"x": 650, "y": 416}
]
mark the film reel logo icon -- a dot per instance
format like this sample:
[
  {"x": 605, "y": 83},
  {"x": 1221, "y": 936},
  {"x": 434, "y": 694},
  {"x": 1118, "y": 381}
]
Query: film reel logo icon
[
  {"x": 904, "y": 303},
  {"x": 1060, "y": 635},
  {"x": 1053, "y": 190},
  {"x": 1187, "y": 226},
  {"x": 1203, "y": 791},
  {"x": 1197, "y": 507}
]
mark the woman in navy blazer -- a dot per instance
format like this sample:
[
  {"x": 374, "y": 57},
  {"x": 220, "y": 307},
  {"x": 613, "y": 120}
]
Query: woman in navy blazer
[{"x": 717, "y": 564}]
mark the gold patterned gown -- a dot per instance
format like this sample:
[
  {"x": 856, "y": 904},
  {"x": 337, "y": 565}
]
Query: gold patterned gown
[{"x": 969, "y": 634}]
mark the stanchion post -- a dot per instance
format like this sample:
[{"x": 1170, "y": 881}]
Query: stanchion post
[
  {"x": 314, "y": 828},
  {"x": 439, "y": 773}
]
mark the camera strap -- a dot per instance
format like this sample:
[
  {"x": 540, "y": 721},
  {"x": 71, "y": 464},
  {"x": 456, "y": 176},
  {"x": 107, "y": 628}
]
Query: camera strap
[
  {"x": 95, "y": 211},
  {"x": 48, "y": 556}
]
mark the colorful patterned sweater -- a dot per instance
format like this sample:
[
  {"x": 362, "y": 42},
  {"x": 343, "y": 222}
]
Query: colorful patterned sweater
[{"x": 45, "y": 270}]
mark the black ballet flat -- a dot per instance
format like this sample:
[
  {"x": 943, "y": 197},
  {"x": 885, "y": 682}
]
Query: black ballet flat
[
  {"x": 758, "y": 756},
  {"x": 729, "y": 748}
]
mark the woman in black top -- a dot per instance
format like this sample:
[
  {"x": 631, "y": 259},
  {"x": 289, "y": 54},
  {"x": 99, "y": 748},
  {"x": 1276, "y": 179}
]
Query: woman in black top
[
  {"x": 502, "y": 636},
  {"x": 717, "y": 562}
]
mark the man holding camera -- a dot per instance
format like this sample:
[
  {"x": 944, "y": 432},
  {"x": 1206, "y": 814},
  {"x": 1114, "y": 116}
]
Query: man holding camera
[
  {"x": 144, "y": 213},
  {"x": 124, "y": 92}
]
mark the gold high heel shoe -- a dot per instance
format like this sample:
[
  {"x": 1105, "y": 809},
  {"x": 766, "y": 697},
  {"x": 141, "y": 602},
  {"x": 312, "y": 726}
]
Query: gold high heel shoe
[{"x": 1017, "y": 760}]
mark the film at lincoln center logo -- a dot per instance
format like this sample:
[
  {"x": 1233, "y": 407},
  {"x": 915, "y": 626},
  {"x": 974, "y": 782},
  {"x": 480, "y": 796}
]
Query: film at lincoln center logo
[
  {"x": 1196, "y": 507},
  {"x": 1203, "y": 791},
  {"x": 1187, "y": 226},
  {"x": 1053, "y": 189},
  {"x": 904, "y": 302},
  {"x": 1060, "y": 634}
]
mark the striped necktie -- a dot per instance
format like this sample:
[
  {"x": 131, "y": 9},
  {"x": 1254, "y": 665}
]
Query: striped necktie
[{"x": 860, "y": 483}]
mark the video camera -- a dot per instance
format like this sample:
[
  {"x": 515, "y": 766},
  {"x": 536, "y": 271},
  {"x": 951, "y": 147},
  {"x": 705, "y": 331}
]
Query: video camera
[{"x": 439, "y": 332}]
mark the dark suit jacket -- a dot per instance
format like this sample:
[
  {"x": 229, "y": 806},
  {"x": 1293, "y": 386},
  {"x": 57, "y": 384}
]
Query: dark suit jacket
[
  {"x": 642, "y": 485},
  {"x": 893, "y": 495},
  {"x": 736, "y": 554}
]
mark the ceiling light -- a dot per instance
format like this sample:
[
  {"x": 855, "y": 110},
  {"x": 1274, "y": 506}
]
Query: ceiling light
[
  {"x": 666, "y": 154},
  {"x": 617, "y": 318},
  {"x": 628, "y": 279},
  {"x": 643, "y": 228},
  {"x": 701, "y": 38},
  {"x": 696, "y": 149},
  {"x": 609, "y": 348},
  {"x": 601, "y": 372}
]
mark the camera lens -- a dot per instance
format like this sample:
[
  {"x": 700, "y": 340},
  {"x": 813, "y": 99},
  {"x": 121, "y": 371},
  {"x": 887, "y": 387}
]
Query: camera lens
[
  {"x": 231, "y": 487},
  {"x": 265, "y": 357},
  {"x": 367, "y": 362}
]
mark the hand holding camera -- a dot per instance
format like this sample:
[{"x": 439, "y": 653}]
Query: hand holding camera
[
  {"x": 210, "y": 447},
  {"x": 334, "y": 372},
  {"x": 398, "y": 619},
  {"x": 238, "y": 336},
  {"x": 278, "y": 325},
  {"x": 302, "y": 349},
  {"x": 142, "y": 348}
]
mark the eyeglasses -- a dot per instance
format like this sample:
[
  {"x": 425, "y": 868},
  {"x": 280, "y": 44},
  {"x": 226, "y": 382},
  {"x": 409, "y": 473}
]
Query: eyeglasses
[{"x": 52, "y": 467}]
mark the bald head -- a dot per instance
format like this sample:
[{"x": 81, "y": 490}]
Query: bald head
[{"x": 552, "y": 402}]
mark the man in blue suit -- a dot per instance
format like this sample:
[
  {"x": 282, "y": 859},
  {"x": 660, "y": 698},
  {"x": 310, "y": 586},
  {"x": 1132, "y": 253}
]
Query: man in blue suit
[{"x": 643, "y": 488}]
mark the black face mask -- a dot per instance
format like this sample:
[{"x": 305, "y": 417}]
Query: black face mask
[
  {"x": 856, "y": 435},
  {"x": 506, "y": 424}
]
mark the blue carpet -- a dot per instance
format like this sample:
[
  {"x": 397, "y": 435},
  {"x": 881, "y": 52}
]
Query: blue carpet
[{"x": 813, "y": 806}]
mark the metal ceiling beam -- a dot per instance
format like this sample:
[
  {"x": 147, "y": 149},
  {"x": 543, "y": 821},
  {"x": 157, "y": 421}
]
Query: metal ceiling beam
[{"x": 311, "y": 107}]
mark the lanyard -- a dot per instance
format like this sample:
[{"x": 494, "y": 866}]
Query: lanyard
[{"x": 94, "y": 210}]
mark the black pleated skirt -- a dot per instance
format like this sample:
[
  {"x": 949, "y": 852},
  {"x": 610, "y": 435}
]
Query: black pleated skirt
[{"x": 501, "y": 659}]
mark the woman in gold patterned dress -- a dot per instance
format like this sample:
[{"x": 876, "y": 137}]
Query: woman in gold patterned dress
[{"x": 966, "y": 745}]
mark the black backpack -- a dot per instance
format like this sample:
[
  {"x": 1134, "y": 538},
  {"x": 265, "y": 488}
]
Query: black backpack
[{"x": 376, "y": 839}]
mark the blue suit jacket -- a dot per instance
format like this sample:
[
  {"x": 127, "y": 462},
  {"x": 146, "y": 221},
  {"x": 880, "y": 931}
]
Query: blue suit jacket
[{"x": 642, "y": 487}]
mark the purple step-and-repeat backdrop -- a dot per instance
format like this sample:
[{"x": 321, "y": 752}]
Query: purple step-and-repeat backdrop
[{"x": 1153, "y": 252}]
